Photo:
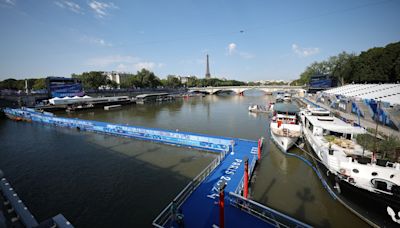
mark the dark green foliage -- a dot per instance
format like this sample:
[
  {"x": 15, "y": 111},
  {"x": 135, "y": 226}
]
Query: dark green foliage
[
  {"x": 388, "y": 146},
  {"x": 192, "y": 80},
  {"x": 15, "y": 84},
  {"x": 12, "y": 84},
  {"x": 378, "y": 64},
  {"x": 92, "y": 79},
  {"x": 148, "y": 79},
  {"x": 172, "y": 82},
  {"x": 366, "y": 141},
  {"x": 96, "y": 79},
  {"x": 217, "y": 82},
  {"x": 39, "y": 84}
]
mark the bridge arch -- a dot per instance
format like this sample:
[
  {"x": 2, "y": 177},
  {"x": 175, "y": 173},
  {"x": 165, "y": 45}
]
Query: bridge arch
[
  {"x": 263, "y": 90},
  {"x": 199, "y": 91},
  {"x": 240, "y": 89},
  {"x": 218, "y": 91}
]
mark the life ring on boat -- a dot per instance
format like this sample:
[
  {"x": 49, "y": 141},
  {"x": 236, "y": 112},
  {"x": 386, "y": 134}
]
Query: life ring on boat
[{"x": 342, "y": 171}]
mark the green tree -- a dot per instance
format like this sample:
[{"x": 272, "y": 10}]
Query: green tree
[
  {"x": 366, "y": 141},
  {"x": 172, "y": 81},
  {"x": 388, "y": 145},
  {"x": 112, "y": 84},
  {"x": 13, "y": 84},
  {"x": 314, "y": 68},
  {"x": 378, "y": 64},
  {"x": 341, "y": 64},
  {"x": 147, "y": 79},
  {"x": 39, "y": 84},
  {"x": 92, "y": 79},
  {"x": 369, "y": 67},
  {"x": 192, "y": 81}
]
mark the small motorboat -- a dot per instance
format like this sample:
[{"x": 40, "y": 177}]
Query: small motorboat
[{"x": 258, "y": 108}]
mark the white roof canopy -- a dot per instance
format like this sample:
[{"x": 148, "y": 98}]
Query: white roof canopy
[{"x": 335, "y": 125}]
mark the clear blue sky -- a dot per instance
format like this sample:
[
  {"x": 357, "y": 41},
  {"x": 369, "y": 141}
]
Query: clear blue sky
[{"x": 246, "y": 40}]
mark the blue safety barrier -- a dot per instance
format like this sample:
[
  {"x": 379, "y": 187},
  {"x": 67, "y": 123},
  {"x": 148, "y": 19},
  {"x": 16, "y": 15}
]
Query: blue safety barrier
[{"x": 192, "y": 140}]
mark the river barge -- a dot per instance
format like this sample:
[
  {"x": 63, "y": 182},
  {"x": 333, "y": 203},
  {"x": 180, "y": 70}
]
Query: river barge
[{"x": 373, "y": 185}]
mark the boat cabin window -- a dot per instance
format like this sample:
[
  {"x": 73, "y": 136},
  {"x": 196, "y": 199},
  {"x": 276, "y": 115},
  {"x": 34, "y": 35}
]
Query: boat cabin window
[
  {"x": 381, "y": 185},
  {"x": 391, "y": 176},
  {"x": 320, "y": 114},
  {"x": 355, "y": 171},
  {"x": 337, "y": 134},
  {"x": 374, "y": 173},
  {"x": 311, "y": 127},
  {"x": 286, "y": 119}
]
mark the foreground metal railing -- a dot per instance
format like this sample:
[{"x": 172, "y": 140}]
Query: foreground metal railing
[
  {"x": 166, "y": 214},
  {"x": 263, "y": 212},
  {"x": 19, "y": 215}
]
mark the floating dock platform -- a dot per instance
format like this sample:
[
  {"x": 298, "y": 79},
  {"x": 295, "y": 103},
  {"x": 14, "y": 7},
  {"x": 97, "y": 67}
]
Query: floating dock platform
[
  {"x": 212, "y": 199},
  {"x": 112, "y": 107}
]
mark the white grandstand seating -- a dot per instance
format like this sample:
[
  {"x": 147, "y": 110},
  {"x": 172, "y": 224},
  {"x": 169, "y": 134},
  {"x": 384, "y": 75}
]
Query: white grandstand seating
[{"x": 380, "y": 92}]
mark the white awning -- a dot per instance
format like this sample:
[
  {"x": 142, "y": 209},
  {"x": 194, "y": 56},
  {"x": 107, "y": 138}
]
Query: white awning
[
  {"x": 335, "y": 124},
  {"x": 345, "y": 129}
]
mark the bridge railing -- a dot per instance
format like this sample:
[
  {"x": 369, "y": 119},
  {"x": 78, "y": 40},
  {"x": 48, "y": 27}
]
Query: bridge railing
[
  {"x": 166, "y": 215},
  {"x": 260, "y": 86},
  {"x": 263, "y": 212}
]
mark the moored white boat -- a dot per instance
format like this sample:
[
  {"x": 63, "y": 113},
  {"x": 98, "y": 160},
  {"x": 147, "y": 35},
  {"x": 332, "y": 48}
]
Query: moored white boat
[
  {"x": 287, "y": 97},
  {"x": 285, "y": 127},
  {"x": 279, "y": 98},
  {"x": 259, "y": 108},
  {"x": 356, "y": 174}
]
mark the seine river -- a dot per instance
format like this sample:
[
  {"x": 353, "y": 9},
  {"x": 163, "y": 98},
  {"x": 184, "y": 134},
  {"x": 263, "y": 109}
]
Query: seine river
[{"x": 97, "y": 180}]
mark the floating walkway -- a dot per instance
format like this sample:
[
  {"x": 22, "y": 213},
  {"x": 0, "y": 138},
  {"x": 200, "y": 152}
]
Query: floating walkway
[{"x": 214, "y": 197}]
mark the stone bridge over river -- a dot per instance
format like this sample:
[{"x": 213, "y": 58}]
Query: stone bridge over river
[{"x": 241, "y": 89}]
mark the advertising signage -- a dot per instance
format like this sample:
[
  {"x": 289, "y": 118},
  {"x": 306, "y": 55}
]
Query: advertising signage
[{"x": 64, "y": 87}]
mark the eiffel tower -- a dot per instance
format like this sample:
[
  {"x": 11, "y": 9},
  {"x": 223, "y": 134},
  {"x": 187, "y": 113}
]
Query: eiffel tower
[{"x": 208, "y": 75}]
